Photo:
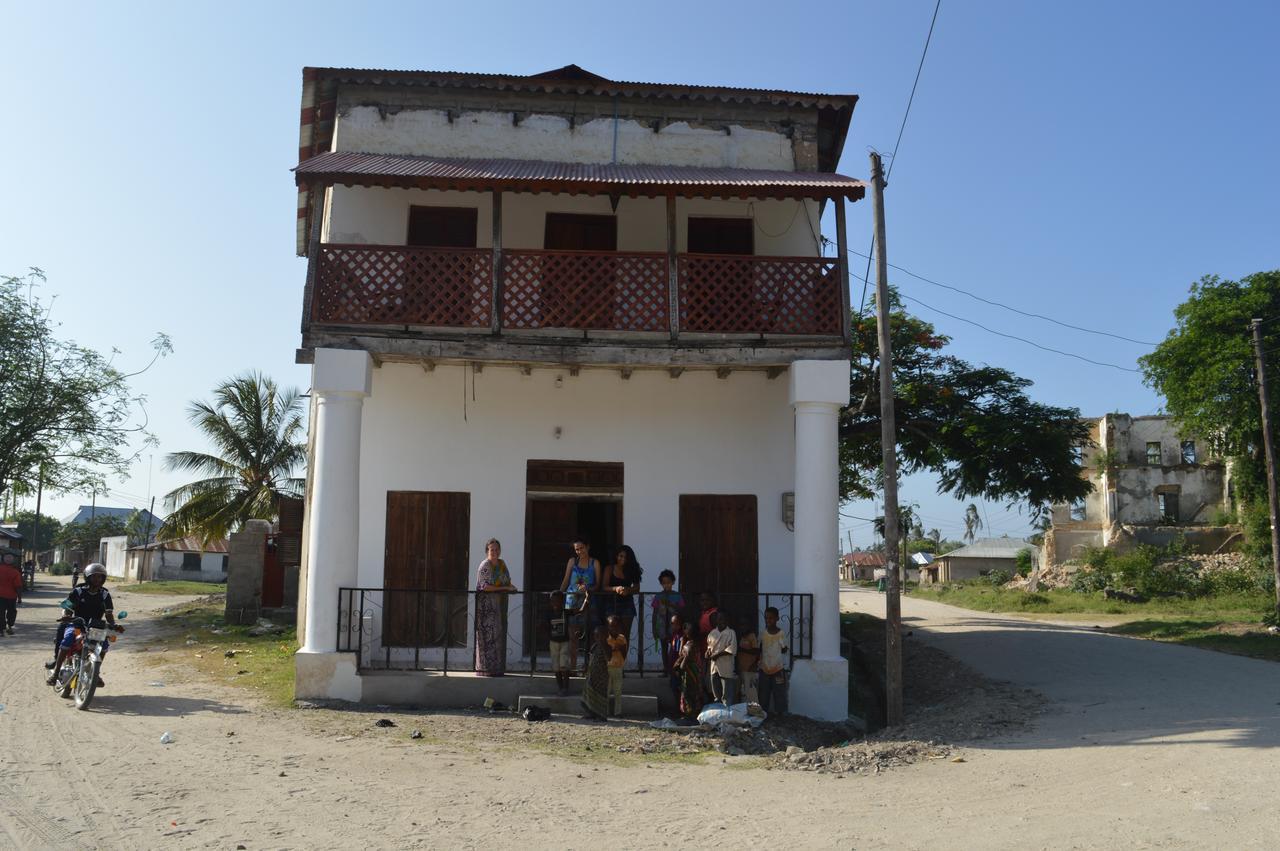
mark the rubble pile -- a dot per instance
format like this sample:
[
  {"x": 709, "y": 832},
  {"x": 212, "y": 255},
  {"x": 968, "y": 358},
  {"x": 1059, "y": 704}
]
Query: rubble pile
[
  {"x": 869, "y": 757},
  {"x": 1054, "y": 576}
]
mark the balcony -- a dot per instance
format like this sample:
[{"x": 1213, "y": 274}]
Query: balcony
[{"x": 580, "y": 292}]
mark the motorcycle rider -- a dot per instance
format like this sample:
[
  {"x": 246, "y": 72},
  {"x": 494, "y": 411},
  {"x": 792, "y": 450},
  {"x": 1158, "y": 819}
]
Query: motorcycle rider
[{"x": 91, "y": 601}]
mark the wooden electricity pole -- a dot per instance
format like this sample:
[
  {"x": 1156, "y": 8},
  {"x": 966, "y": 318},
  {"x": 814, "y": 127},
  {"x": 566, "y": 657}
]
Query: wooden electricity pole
[
  {"x": 888, "y": 445},
  {"x": 1269, "y": 448}
]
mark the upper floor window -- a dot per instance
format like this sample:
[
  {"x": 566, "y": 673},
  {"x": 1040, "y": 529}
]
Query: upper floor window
[
  {"x": 442, "y": 227},
  {"x": 580, "y": 232},
  {"x": 1153, "y": 452},
  {"x": 1188, "y": 452},
  {"x": 721, "y": 236},
  {"x": 1077, "y": 510}
]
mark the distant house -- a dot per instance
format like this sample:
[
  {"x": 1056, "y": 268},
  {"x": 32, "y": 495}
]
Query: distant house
[
  {"x": 85, "y": 513},
  {"x": 10, "y": 539},
  {"x": 856, "y": 566},
  {"x": 924, "y": 566},
  {"x": 980, "y": 558},
  {"x": 184, "y": 558}
]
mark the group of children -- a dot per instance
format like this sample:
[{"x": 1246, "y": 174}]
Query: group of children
[{"x": 704, "y": 657}]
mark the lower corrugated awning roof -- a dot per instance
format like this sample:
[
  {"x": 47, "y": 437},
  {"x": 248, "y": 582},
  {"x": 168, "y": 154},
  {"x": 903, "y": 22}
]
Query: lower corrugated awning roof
[{"x": 362, "y": 169}]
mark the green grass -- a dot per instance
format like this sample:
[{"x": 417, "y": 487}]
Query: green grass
[
  {"x": 176, "y": 586},
  {"x": 1242, "y": 639},
  {"x": 984, "y": 598},
  {"x": 267, "y": 660}
]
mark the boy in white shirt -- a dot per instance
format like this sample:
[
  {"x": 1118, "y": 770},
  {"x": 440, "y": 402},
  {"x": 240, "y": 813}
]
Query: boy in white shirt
[{"x": 722, "y": 647}]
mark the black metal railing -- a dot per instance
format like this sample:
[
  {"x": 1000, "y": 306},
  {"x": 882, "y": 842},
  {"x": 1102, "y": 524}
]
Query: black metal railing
[{"x": 414, "y": 629}]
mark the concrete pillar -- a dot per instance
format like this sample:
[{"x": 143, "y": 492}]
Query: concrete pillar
[
  {"x": 818, "y": 389},
  {"x": 340, "y": 380}
]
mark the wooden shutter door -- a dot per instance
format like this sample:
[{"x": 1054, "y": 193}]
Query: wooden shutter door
[
  {"x": 719, "y": 547},
  {"x": 427, "y": 552}
]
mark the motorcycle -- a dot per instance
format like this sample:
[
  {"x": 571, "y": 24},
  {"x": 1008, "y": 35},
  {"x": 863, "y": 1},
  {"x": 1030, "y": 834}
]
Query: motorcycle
[{"x": 78, "y": 676}]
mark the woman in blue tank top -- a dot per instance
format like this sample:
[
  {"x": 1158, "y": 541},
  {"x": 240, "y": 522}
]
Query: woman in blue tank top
[{"x": 581, "y": 578}]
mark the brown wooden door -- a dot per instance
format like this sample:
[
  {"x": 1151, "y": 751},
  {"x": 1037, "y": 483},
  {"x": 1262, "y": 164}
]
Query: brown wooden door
[
  {"x": 427, "y": 553},
  {"x": 719, "y": 547},
  {"x": 579, "y": 292},
  {"x": 552, "y": 525}
]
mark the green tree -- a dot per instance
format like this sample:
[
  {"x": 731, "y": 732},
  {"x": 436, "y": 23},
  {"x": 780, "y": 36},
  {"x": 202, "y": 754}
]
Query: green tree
[
  {"x": 975, "y": 427},
  {"x": 138, "y": 529},
  {"x": 67, "y": 410},
  {"x": 48, "y": 529},
  {"x": 257, "y": 433},
  {"x": 1204, "y": 366},
  {"x": 87, "y": 535}
]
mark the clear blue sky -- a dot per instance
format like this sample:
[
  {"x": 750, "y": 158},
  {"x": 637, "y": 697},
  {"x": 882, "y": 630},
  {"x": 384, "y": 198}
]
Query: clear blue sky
[{"x": 1086, "y": 160}]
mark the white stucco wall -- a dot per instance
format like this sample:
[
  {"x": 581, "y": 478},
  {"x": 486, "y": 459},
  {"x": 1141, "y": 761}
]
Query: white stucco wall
[
  {"x": 697, "y": 434},
  {"x": 547, "y": 137},
  {"x": 380, "y": 216},
  {"x": 114, "y": 550}
]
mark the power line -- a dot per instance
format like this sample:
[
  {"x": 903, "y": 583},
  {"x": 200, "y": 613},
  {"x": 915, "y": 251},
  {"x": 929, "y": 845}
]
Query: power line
[
  {"x": 1020, "y": 339},
  {"x": 1010, "y": 308},
  {"x": 893, "y": 158}
]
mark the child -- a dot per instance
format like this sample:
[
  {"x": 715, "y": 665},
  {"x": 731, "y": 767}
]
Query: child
[
  {"x": 617, "y": 641},
  {"x": 665, "y": 603},
  {"x": 558, "y": 640},
  {"x": 595, "y": 687},
  {"x": 688, "y": 668},
  {"x": 722, "y": 646},
  {"x": 707, "y": 617},
  {"x": 748, "y": 660},
  {"x": 772, "y": 682},
  {"x": 671, "y": 649}
]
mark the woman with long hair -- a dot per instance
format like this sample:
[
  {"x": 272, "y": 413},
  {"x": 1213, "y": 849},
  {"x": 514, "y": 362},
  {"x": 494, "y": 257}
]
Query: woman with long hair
[
  {"x": 493, "y": 584},
  {"x": 622, "y": 583}
]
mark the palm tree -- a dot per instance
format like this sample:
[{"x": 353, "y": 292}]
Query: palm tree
[
  {"x": 256, "y": 430},
  {"x": 972, "y": 522}
]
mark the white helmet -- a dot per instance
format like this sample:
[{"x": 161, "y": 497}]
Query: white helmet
[{"x": 95, "y": 569}]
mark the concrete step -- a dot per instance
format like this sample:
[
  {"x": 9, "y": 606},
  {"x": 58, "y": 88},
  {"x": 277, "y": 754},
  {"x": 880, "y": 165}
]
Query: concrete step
[{"x": 633, "y": 705}]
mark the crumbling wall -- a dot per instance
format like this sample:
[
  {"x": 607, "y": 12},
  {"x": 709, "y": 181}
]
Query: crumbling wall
[{"x": 247, "y": 550}]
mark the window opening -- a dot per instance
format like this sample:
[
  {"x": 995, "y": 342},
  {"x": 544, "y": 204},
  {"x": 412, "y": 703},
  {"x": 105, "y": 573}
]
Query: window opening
[
  {"x": 1153, "y": 452},
  {"x": 1168, "y": 504},
  {"x": 1188, "y": 452}
]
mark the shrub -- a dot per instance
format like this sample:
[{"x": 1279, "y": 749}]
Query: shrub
[
  {"x": 1243, "y": 581},
  {"x": 1024, "y": 562},
  {"x": 60, "y": 568},
  {"x": 1088, "y": 581},
  {"x": 1098, "y": 558},
  {"x": 998, "y": 577}
]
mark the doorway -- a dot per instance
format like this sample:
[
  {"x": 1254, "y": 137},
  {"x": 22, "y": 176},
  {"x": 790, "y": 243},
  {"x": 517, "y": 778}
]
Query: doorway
[
  {"x": 719, "y": 549},
  {"x": 566, "y": 499}
]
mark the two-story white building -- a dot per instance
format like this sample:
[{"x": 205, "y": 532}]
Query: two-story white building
[{"x": 550, "y": 305}]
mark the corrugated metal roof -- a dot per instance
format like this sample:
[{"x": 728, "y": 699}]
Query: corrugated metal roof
[
  {"x": 189, "y": 544},
  {"x": 992, "y": 548},
  {"x": 541, "y": 175}
]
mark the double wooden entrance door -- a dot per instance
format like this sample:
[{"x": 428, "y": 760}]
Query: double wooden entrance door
[{"x": 427, "y": 550}]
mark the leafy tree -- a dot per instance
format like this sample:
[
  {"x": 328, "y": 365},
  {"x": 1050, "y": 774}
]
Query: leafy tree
[
  {"x": 975, "y": 427},
  {"x": 67, "y": 410},
  {"x": 86, "y": 535},
  {"x": 48, "y": 529},
  {"x": 1204, "y": 366},
  {"x": 138, "y": 529},
  {"x": 257, "y": 433}
]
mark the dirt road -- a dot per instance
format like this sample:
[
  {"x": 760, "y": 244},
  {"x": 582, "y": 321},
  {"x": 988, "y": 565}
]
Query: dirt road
[{"x": 1198, "y": 772}]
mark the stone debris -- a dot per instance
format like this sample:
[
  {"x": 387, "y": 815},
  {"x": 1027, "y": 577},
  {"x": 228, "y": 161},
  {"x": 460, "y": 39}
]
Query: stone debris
[{"x": 869, "y": 757}]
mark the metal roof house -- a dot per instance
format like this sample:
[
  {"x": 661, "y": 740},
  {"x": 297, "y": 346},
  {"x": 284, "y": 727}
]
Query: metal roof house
[{"x": 981, "y": 557}]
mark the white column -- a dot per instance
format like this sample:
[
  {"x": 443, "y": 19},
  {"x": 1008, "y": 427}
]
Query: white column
[
  {"x": 340, "y": 380},
  {"x": 818, "y": 390}
]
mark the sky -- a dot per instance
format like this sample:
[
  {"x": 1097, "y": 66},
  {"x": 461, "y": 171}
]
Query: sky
[{"x": 1087, "y": 161}]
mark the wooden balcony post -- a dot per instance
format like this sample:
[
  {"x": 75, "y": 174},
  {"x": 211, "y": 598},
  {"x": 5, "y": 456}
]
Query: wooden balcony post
[
  {"x": 495, "y": 321},
  {"x": 842, "y": 246},
  {"x": 673, "y": 283},
  {"x": 313, "y": 254}
]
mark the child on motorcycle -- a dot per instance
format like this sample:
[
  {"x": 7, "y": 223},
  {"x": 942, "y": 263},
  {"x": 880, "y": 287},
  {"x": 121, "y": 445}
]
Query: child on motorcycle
[{"x": 92, "y": 602}]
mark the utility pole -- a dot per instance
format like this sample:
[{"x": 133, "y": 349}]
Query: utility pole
[
  {"x": 889, "y": 449},
  {"x": 146, "y": 544},
  {"x": 1269, "y": 447},
  {"x": 35, "y": 534}
]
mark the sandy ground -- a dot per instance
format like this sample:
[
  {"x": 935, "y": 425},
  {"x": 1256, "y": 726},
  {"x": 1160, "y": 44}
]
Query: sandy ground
[{"x": 1146, "y": 745}]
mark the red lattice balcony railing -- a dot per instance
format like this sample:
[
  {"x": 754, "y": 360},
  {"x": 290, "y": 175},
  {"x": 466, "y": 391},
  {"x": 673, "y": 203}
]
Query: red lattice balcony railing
[
  {"x": 734, "y": 294},
  {"x": 402, "y": 285},
  {"x": 585, "y": 290},
  {"x": 579, "y": 290}
]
